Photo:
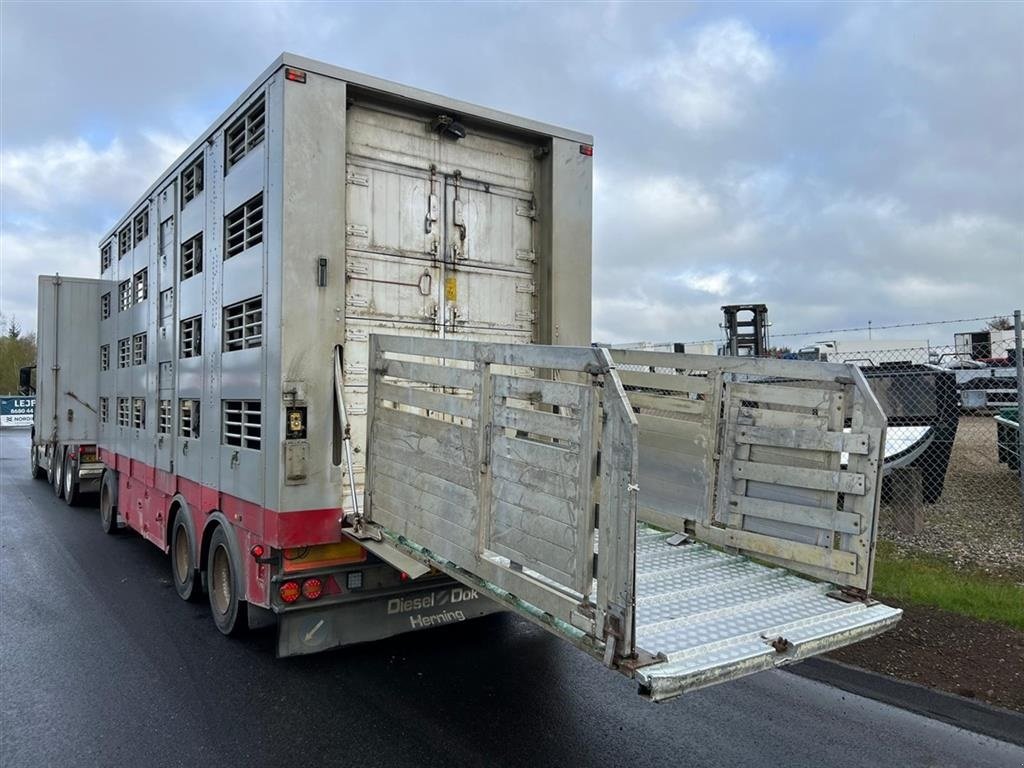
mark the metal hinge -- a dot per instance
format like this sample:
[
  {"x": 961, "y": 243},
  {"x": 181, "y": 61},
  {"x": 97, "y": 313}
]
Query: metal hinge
[
  {"x": 527, "y": 210},
  {"x": 485, "y": 460}
]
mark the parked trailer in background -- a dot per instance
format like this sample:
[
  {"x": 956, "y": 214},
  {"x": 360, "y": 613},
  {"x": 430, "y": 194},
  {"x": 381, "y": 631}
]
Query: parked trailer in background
[
  {"x": 869, "y": 352},
  {"x": 988, "y": 345},
  {"x": 65, "y": 424},
  {"x": 350, "y": 392}
]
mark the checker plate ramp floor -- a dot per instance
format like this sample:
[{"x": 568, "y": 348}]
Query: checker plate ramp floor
[{"x": 712, "y": 616}]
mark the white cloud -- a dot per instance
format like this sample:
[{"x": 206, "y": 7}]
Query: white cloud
[
  {"x": 838, "y": 162},
  {"x": 56, "y": 173},
  {"x": 655, "y": 204},
  {"x": 704, "y": 83},
  {"x": 28, "y": 253},
  {"x": 717, "y": 283}
]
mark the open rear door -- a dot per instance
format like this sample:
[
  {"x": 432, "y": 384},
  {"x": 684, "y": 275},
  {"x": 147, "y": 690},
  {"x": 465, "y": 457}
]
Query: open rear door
[
  {"x": 777, "y": 459},
  {"x": 639, "y": 505},
  {"x": 772, "y": 463}
]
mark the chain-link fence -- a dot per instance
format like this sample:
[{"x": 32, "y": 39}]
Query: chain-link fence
[
  {"x": 952, "y": 478},
  {"x": 951, "y": 481}
]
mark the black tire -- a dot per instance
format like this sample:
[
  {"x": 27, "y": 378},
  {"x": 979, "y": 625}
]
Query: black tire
[
  {"x": 49, "y": 464},
  {"x": 108, "y": 509},
  {"x": 35, "y": 470},
  {"x": 58, "y": 472},
  {"x": 70, "y": 483},
  {"x": 223, "y": 581},
  {"x": 183, "y": 559}
]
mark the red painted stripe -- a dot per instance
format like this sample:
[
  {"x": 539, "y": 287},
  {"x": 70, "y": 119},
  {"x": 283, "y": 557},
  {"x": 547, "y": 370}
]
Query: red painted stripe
[{"x": 299, "y": 528}]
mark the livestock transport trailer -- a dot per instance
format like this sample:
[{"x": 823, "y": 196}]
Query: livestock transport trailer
[
  {"x": 351, "y": 392},
  {"x": 65, "y": 424}
]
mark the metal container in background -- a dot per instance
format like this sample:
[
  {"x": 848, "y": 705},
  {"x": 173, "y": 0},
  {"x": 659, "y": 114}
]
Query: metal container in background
[{"x": 65, "y": 424}]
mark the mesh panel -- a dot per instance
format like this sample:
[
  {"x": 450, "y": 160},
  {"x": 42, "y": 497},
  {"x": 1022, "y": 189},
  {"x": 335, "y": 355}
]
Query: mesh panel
[
  {"x": 243, "y": 324},
  {"x": 191, "y": 181},
  {"x": 244, "y": 134},
  {"x": 243, "y": 227},
  {"x": 191, "y": 337},
  {"x": 242, "y": 423}
]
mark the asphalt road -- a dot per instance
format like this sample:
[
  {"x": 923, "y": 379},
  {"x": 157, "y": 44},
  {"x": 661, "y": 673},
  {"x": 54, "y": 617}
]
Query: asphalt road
[{"x": 101, "y": 664}]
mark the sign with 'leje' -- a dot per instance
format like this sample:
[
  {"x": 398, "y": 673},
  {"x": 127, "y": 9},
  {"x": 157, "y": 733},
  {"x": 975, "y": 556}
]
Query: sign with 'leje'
[{"x": 16, "y": 411}]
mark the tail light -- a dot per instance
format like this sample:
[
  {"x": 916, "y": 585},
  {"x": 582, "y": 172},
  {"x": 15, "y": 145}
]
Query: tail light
[
  {"x": 290, "y": 591},
  {"x": 312, "y": 588}
]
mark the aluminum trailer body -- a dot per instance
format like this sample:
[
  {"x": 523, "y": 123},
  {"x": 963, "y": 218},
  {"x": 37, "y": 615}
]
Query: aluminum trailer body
[
  {"x": 350, "y": 391},
  {"x": 323, "y": 205},
  {"x": 65, "y": 424}
]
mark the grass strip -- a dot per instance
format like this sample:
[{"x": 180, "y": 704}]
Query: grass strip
[{"x": 927, "y": 580}]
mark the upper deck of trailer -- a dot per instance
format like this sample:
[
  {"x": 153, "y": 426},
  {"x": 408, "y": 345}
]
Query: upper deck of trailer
[{"x": 361, "y": 83}]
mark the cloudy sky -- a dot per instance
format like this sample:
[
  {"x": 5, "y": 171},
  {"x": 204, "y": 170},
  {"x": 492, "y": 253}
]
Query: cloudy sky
[{"x": 840, "y": 162}]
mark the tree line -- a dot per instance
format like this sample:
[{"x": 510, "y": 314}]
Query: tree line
[{"x": 17, "y": 350}]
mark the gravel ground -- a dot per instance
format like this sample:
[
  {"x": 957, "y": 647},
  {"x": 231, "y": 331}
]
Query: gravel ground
[{"x": 977, "y": 522}]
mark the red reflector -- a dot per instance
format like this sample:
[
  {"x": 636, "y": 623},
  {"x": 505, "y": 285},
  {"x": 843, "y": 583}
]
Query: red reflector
[
  {"x": 404, "y": 576},
  {"x": 587, "y": 149},
  {"x": 257, "y": 551},
  {"x": 312, "y": 588},
  {"x": 295, "y": 75},
  {"x": 290, "y": 591}
]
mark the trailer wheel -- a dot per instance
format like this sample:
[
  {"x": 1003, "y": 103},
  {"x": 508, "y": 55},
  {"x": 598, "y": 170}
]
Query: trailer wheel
[
  {"x": 34, "y": 469},
  {"x": 223, "y": 576},
  {"x": 108, "y": 509},
  {"x": 70, "y": 484},
  {"x": 58, "y": 472},
  {"x": 50, "y": 453},
  {"x": 183, "y": 558}
]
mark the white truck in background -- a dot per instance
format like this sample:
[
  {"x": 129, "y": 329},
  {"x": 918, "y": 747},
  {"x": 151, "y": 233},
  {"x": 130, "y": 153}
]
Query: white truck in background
[
  {"x": 866, "y": 352},
  {"x": 65, "y": 425},
  {"x": 678, "y": 347}
]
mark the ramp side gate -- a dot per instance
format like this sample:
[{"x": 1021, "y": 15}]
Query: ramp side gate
[{"x": 581, "y": 486}]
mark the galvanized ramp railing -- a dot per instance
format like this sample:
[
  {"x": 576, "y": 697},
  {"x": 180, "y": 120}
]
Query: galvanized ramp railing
[
  {"x": 495, "y": 463},
  {"x": 486, "y": 456},
  {"x": 779, "y": 459}
]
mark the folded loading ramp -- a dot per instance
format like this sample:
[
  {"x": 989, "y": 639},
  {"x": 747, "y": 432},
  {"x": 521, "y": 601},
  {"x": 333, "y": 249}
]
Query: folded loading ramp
[{"x": 687, "y": 519}]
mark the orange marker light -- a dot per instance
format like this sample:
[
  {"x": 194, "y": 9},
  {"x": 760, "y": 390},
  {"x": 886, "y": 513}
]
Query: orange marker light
[
  {"x": 290, "y": 591},
  {"x": 312, "y": 588}
]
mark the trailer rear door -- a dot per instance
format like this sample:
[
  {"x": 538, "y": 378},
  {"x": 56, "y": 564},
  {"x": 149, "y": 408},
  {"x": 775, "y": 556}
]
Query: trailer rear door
[
  {"x": 439, "y": 240},
  {"x": 512, "y": 484}
]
